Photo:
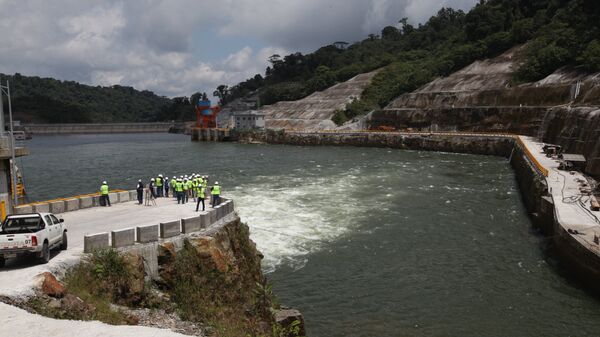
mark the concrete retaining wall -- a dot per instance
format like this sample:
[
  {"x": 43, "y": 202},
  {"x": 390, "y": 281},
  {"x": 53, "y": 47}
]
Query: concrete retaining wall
[
  {"x": 57, "y": 207},
  {"x": 71, "y": 205},
  {"x": 152, "y": 233}
]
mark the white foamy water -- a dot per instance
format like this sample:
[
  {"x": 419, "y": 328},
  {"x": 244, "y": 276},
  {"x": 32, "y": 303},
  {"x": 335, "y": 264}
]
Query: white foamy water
[{"x": 290, "y": 217}]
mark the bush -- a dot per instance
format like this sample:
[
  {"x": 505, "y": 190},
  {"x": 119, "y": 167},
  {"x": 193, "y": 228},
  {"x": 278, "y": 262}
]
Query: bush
[{"x": 590, "y": 58}]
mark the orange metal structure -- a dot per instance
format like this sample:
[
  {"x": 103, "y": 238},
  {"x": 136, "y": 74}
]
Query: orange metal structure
[{"x": 206, "y": 118}]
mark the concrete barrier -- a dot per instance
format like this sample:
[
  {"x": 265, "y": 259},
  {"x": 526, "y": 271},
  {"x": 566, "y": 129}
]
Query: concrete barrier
[
  {"x": 96, "y": 200},
  {"x": 24, "y": 209},
  {"x": 95, "y": 241},
  {"x": 41, "y": 208},
  {"x": 124, "y": 196},
  {"x": 204, "y": 219},
  {"x": 133, "y": 195},
  {"x": 170, "y": 229},
  {"x": 227, "y": 207},
  {"x": 57, "y": 207},
  {"x": 220, "y": 211},
  {"x": 190, "y": 225},
  {"x": 122, "y": 237},
  {"x": 146, "y": 234},
  {"x": 71, "y": 205},
  {"x": 114, "y": 198},
  {"x": 212, "y": 216},
  {"x": 86, "y": 202}
]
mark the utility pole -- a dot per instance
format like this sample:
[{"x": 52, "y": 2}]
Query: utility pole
[
  {"x": 6, "y": 89},
  {"x": 1, "y": 111}
]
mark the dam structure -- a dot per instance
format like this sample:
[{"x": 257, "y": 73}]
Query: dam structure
[{"x": 95, "y": 128}]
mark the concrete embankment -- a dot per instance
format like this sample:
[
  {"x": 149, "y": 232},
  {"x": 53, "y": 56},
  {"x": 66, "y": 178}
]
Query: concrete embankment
[
  {"x": 560, "y": 209},
  {"x": 76, "y": 128},
  {"x": 492, "y": 144}
]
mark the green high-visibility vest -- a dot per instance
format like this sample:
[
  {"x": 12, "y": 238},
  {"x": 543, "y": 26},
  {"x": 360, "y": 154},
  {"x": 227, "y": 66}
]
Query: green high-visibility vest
[
  {"x": 216, "y": 190},
  {"x": 104, "y": 189},
  {"x": 173, "y": 182},
  {"x": 185, "y": 186},
  {"x": 159, "y": 182},
  {"x": 179, "y": 186},
  {"x": 204, "y": 182},
  {"x": 201, "y": 192}
]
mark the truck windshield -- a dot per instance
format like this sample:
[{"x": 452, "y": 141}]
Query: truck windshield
[{"x": 21, "y": 225}]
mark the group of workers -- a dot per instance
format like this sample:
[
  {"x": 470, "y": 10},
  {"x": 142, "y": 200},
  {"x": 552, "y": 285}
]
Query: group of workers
[{"x": 183, "y": 188}]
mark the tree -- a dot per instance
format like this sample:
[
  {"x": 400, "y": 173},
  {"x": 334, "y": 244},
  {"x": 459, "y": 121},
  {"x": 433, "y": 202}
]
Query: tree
[{"x": 222, "y": 92}]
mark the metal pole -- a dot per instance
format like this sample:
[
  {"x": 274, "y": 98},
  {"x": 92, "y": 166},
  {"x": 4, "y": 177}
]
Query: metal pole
[
  {"x": 12, "y": 147},
  {"x": 1, "y": 111}
]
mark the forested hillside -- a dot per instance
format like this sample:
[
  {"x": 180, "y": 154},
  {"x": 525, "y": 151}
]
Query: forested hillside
[{"x": 557, "y": 33}]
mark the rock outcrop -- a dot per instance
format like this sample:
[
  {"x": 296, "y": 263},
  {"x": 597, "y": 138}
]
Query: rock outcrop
[{"x": 315, "y": 111}]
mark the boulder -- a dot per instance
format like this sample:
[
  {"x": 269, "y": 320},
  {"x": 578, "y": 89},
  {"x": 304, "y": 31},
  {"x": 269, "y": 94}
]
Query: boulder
[
  {"x": 290, "y": 320},
  {"x": 136, "y": 281},
  {"x": 209, "y": 247},
  {"x": 51, "y": 287}
]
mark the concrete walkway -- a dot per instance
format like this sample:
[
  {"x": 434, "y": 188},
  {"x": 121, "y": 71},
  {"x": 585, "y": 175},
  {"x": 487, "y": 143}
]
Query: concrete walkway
[
  {"x": 17, "y": 279},
  {"x": 572, "y": 210}
]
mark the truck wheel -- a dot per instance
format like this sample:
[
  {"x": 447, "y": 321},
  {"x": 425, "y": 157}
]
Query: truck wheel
[
  {"x": 45, "y": 254},
  {"x": 2, "y": 262},
  {"x": 64, "y": 242}
]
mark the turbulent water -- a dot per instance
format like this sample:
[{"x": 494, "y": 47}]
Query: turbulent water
[{"x": 365, "y": 242}]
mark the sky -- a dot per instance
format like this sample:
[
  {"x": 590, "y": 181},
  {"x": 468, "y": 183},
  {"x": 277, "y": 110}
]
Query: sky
[{"x": 178, "y": 47}]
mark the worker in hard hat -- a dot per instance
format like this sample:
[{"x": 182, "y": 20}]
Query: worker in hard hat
[
  {"x": 152, "y": 188},
  {"x": 159, "y": 185},
  {"x": 172, "y": 183},
  {"x": 179, "y": 191},
  {"x": 185, "y": 190},
  {"x": 140, "y": 191},
  {"x": 216, "y": 194},
  {"x": 104, "y": 199},
  {"x": 205, "y": 184},
  {"x": 166, "y": 186},
  {"x": 200, "y": 199}
]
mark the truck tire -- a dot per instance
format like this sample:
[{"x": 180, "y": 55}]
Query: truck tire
[
  {"x": 64, "y": 242},
  {"x": 2, "y": 261},
  {"x": 45, "y": 254}
]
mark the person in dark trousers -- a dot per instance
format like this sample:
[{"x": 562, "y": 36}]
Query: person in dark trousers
[
  {"x": 179, "y": 191},
  {"x": 216, "y": 194},
  {"x": 104, "y": 194},
  {"x": 152, "y": 188},
  {"x": 200, "y": 190},
  {"x": 140, "y": 191},
  {"x": 159, "y": 185},
  {"x": 166, "y": 187}
]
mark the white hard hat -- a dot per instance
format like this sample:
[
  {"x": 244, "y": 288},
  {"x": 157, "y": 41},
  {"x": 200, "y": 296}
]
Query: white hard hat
[
  {"x": 216, "y": 183},
  {"x": 152, "y": 179},
  {"x": 104, "y": 182},
  {"x": 160, "y": 175},
  {"x": 140, "y": 180}
]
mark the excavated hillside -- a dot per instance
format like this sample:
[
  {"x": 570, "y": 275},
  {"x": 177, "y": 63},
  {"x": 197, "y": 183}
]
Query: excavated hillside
[
  {"x": 562, "y": 108},
  {"x": 314, "y": 112}
]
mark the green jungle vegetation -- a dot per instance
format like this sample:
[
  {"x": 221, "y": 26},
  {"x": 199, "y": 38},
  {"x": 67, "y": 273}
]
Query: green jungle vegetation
[{"x": 557, "y": 33}]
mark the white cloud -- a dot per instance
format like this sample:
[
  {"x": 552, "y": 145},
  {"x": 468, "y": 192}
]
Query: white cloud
[{"x": 147, "y": 43}]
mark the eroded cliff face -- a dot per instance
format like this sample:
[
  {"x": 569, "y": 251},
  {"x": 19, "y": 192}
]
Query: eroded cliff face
[
  {"x": 315, "y": 111},
  {"x": 562, "y": 108}
]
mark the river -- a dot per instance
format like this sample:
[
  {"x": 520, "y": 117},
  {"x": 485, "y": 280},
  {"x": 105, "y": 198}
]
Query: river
[{"x": 365, "y": 242}]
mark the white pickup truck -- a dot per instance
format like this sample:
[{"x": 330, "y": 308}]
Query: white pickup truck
[{"x": 31, "y": 234}]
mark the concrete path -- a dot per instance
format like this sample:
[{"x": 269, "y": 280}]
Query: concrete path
[
  {"x": 17, "y": 322},
  {"x": 572, "y": 211},
  {"x": 18, "y": 277}
]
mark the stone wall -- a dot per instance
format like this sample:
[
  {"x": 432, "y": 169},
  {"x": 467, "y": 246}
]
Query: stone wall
[{"x": 77, "y": 128}]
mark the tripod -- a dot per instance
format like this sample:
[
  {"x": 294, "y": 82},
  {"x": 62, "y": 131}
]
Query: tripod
[{"x": 149, "y": 198}]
